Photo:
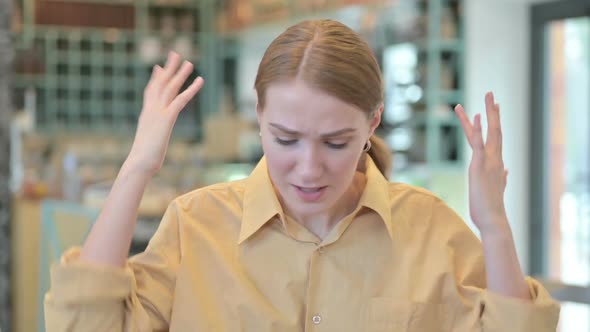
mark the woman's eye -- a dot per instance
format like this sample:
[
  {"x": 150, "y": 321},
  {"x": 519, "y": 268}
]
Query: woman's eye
[
  {"x": 336, "y": 145},
  {"x": 285, "y": 142}
]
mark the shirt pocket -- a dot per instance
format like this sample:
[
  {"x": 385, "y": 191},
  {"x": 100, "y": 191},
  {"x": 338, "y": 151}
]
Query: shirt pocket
[{"x": 385, "y": 314}]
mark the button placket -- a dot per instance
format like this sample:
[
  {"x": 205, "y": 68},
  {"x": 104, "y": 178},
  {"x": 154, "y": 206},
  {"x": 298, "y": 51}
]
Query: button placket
[{"x": 312, "y": 314}]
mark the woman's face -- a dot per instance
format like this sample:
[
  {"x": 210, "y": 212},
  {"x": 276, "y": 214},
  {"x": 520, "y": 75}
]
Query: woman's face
[{"x": 312, "y": 143}]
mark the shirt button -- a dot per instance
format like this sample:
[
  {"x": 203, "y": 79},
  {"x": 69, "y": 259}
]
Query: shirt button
[
  {"x": 320, "y": 250},
  {"x": 316, "y": 319}
]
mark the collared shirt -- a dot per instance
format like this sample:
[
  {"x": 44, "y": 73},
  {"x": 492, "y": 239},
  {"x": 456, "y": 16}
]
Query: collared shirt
[{"x": 226, "y": 258}]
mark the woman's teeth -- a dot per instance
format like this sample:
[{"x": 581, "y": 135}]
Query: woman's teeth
[{"x": 310, "y": 190}]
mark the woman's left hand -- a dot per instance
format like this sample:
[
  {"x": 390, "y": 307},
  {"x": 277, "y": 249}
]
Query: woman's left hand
[{"x": 487, "y": 176}]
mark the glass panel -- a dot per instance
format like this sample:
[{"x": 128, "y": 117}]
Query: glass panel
[{"x": 568, "y": 122}]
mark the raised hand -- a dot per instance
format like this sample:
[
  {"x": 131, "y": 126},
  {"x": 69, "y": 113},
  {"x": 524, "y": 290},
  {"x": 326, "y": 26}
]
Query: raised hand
[
  {"x": 487, "y": 176},
  {"x": 161, "y": 106}
]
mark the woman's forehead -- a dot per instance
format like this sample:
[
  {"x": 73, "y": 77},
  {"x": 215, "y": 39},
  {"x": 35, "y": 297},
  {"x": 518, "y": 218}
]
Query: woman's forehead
[{"x": 298, "y": 99}]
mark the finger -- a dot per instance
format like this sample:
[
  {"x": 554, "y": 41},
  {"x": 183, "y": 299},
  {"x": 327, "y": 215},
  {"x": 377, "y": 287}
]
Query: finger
[
  {"x": 172, "y": 64},
  {"x": 182, "y": 99},
  {"x": 494, "y": 135},
  {"x": 465, "y": 123},
  {"x": 156, "y": 72},
  {"x": 477, "y": 136},
  {"x": 171, "y": 89},
  {"x": 499, "y": 129}
]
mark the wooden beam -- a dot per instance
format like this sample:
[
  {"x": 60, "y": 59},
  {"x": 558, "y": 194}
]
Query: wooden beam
[{"x": 85, "y": 14}]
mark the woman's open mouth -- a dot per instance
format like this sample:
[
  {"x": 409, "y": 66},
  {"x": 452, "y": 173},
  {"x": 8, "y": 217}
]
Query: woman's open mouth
[{"x": 310, "y": 194}]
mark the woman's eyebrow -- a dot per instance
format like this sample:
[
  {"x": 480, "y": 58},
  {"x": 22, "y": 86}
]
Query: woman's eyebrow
[
  {"x": 285, "y": 129},
  {"x": 338, "y": 132},
  {"x": 326, "y": 135}
]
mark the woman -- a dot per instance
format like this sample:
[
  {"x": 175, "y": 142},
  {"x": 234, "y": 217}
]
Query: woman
[{"x": 316, "y": 238}]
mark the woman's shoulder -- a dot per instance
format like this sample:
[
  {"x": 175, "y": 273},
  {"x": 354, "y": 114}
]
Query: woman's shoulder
[
  {"x": 420, "y": 205},
  {"x": 427, "y": 215},
  {"x": 399, "y": 190},
  {"x": 223, "y": 193}
]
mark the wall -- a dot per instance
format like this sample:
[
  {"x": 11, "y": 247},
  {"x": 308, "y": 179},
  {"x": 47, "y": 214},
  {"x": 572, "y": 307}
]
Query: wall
[{"x": 498, "y": 59}]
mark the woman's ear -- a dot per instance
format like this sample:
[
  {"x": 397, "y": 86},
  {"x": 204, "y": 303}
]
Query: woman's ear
[{"x": 376, "y": 120}]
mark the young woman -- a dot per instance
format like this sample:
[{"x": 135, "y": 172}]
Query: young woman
[{"x": 316, "y": 239}]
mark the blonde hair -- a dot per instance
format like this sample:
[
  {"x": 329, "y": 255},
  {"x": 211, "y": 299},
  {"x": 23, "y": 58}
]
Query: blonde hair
[{"x": 331, "y": 57}]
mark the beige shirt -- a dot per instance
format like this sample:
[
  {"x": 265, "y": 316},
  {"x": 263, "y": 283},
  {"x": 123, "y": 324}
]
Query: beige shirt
[{"x": 226, "y": 258}]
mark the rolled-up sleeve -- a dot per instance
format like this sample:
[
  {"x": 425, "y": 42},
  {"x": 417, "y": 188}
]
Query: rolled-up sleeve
[
  {"x": 137, "y": 297},
  {"x": 501, "y": 313}
]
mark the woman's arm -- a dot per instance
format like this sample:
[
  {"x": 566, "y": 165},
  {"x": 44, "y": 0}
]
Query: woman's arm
[
  {"x": 89, "y": 289},
  {"x": 503, "y": 272},
  {"x": 487, "y": 280},
  {"x": 110, "y": 238},
  {"x": 487, "y": 182}
]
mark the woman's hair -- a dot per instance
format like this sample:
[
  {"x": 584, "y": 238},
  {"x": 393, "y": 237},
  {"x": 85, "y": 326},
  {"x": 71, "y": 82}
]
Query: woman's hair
[{"x": 331, "y": 57}]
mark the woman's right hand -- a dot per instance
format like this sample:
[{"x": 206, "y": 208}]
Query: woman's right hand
[{"x": 161, "y": 106}]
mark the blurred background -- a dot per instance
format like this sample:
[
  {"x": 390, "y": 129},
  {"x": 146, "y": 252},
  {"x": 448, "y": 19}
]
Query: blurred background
[{"x": 72, "y": 74}]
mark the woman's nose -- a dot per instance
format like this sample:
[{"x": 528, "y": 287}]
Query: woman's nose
[{"x": 310, "y": 166}]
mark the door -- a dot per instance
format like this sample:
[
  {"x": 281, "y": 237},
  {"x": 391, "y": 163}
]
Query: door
[{"x": 560, "y": 160}]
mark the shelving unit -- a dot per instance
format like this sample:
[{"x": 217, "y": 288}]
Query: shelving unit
[
  {"x": 424, "y": 81},
  {"x": 92, "y": 78},
  {"x": 95, "y": 76}
]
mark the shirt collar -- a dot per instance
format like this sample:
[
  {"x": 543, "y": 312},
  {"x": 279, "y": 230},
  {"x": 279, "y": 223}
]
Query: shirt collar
[
  {"x": 261, "y": 203},
  {"x": 376, "y": 194}
]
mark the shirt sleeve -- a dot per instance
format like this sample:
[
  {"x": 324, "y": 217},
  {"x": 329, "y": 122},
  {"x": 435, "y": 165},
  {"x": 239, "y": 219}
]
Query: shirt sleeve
[
  {"x": 503, "y": 313},
  {"x": 136, "y": 297},
  {"x": 483, "y": 310}
]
